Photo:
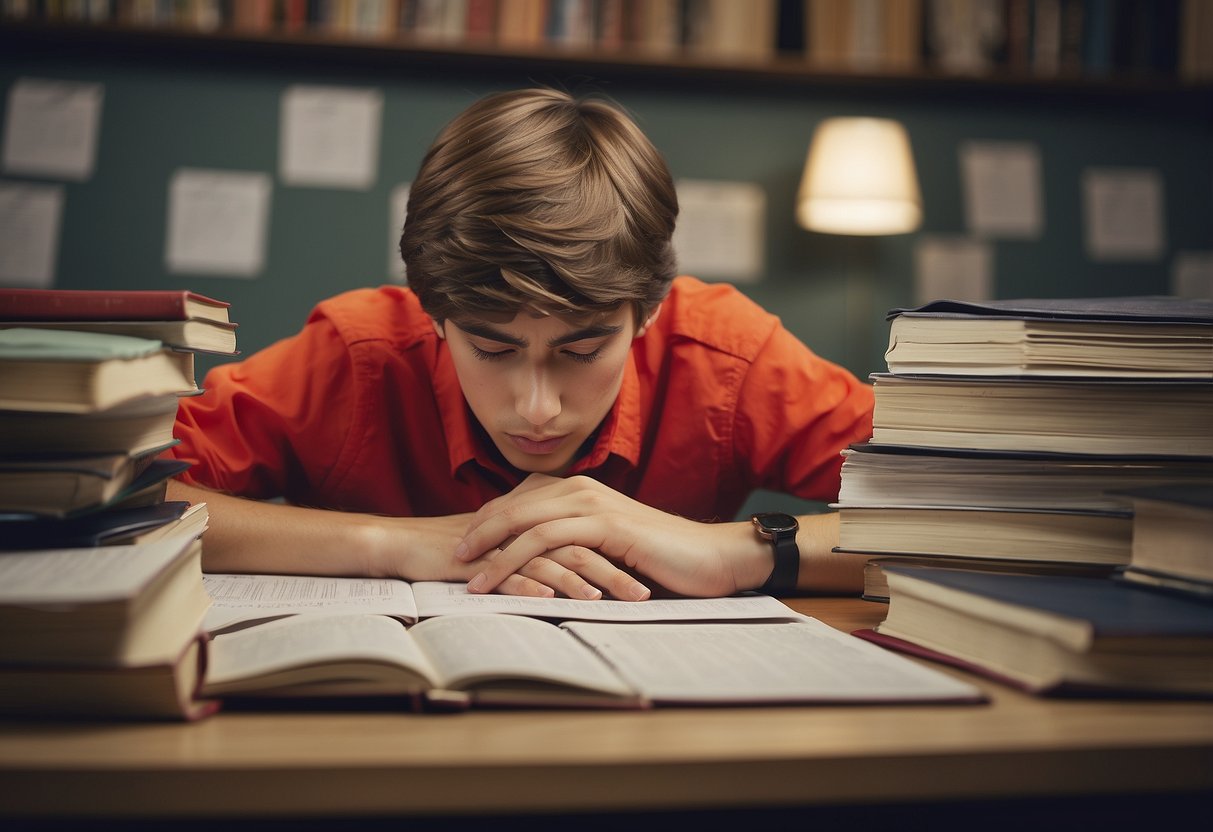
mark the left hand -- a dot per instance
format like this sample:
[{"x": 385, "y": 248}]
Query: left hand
[{"x": 579, "y": 525}]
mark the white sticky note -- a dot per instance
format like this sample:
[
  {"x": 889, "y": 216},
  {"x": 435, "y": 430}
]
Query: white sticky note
[
  {"x": 953, "y": 268},
  {"x": 217, "y": 222},
  {"x": 1124, "y": 213},
  {"x": 329, "y": 136},
  {"x": 1002, "y": 188},
  {"x": 50, "y": 128},
  {"x": 1192, "y": 274},
  {"x": 721, "y": 230},
  {"x": 398, "y": 205},
  {"x": 29, "y": 233}
]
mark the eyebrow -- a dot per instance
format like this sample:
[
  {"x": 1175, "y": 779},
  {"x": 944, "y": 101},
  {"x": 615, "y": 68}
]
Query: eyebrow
[{"x": 493, "y": 334}]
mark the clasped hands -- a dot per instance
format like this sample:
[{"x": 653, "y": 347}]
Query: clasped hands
[{"x": 578, "y": 537}]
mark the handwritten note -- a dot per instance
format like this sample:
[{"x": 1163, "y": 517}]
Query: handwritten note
[
  {"x": 720, "y": 233},
  {"x": 1124, "y": 213},
  {"x": 1002, "y": 188},
  {"x": 217, "y": 222},
  {"x": 50, "y": 128},
  {"x": 29, "y": 233},
  {"x": 956, "y": 268},
  {"x": 329, "y": 136}
]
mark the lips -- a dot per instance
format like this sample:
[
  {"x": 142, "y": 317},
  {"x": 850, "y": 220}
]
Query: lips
[{"x": 537, "y": 446}]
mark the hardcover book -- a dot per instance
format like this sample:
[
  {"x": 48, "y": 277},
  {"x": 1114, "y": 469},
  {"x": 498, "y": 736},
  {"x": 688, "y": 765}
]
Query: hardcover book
[
  {"x": 108, "y": 305},
  {"x": 1053, "y": 634}
]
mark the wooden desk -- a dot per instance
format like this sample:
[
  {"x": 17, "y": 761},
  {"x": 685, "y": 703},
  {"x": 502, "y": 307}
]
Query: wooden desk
[{"x": 509, "y": 763}]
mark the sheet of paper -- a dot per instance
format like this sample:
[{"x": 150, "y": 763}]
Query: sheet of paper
[
  {"x": 397, "y": 210},
  {"x": 721, "y": 230},
  {"x": 802, "y": 661},
  {"x": 50, "y": 128},
  {"x": 1002, "y": 188},
  {"x": 217, "y": 222},
  {"x": 955, "y": 268},
  {"x": 329, "y": 136},
  {"x": 257, "y": 597},
  {"x": 30, "y": 216},
  {"x": 439, "y": 598},
  {"x": 1192, "y": 274},
  {"x": 1124, "y": 213}
]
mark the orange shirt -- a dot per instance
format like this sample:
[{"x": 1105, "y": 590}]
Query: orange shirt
[{"x": 362, "y": 411}]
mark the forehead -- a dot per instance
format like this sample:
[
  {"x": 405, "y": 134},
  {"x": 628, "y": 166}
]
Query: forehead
[{"x": 531, "y": 318}]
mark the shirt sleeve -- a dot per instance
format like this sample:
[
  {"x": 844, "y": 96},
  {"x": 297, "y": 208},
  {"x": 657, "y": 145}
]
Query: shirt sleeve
[
  {"x": 273, "y": 424},
  {"x": 795, "y": 415}
]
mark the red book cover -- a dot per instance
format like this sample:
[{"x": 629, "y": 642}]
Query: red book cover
[{"x": 108, "y": 305}]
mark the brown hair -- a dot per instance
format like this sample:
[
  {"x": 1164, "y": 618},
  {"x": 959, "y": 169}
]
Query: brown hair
[{"x": 535, "y": 199}]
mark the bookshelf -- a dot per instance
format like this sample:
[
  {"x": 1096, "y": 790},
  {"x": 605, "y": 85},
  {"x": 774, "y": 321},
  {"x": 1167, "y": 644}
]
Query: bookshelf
[{"x": 384, "y": 41}]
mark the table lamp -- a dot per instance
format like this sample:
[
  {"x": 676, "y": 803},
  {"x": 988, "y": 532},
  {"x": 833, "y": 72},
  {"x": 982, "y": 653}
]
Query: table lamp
[{"x": 859, "y": 180}]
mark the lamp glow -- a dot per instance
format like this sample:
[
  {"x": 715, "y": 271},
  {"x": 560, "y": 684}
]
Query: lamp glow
[{"x": 859, "y": 178}]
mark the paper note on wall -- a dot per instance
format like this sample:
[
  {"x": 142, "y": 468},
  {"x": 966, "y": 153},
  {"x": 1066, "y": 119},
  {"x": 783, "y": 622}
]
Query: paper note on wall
[
  {"x": 1002, "y": 188},
  {"x": 50, "y": 128},
  {"x": 29, "y": 233},
  {"x": 721, "y": 230},
  {"x": 1124, "y": 213},
  {"x": 953, "y": 268},
  {"x": 217, "y": 222},
  {"x": 1192, "y": 274},
  {"x": 329, "y": 136},
  {"x": 397, "y": 210}
]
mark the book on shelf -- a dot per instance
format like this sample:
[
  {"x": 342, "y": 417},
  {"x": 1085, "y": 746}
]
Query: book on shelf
[
  {"x": 876, "y": 583},
  {"x": 81, "y": 372},
  {"x": 1146, "y": 337},
  {"x": 59, "y": 486},
  {"x": 1150, "y": 417},
  {"x": 1082, "y": 537},
  {"x": 112, "y": 527},
  {"x": 1173, "y": 538},
  {"x": 192, "y": 334},
  {"x": 503, "y": 660},
  {"x": 242, "y": 600},
  {"x": 134, "y": 427},
  {"x": 1058, "y": 635},
  {"x": 109, "y": 305},
  {"x": 886, "y": 474}
]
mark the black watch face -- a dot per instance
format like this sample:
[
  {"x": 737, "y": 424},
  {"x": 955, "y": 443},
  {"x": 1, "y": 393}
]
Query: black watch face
[{"x": 777, "y": 522}]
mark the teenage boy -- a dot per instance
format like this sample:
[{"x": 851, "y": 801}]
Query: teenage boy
[{"x": 545, "y": 409}]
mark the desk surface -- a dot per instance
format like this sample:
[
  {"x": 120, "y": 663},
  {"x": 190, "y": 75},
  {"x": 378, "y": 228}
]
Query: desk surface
[{"x": 297, "y": 764}]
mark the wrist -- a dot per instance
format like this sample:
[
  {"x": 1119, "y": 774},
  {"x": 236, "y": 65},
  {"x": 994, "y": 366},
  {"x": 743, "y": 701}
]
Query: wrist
[{"x": 752, "y": 559}]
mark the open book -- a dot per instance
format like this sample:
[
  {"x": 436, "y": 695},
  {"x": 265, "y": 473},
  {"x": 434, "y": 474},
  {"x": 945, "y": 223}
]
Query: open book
[
  {"x": 514, "y": 660},
  {"x": 243, "y": 600}
]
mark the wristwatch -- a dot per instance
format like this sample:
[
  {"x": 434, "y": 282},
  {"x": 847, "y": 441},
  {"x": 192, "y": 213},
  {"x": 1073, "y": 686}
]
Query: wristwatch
[{"x": 781, "y": 530}]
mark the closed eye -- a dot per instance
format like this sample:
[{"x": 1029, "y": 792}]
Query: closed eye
[{"x": 490, "y": 355}]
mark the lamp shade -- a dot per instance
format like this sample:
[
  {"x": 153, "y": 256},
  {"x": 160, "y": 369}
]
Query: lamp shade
[{"x": 859, "y": 178}]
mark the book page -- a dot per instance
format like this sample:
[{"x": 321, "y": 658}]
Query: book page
[
  {"x": 316, "y": 651},
  {"x": 243, "y": 599},
  {"x": 64, "y": 577},
  {"x": 438, "y": 598},
  {"x": 466, "y": 649},
  {"x": 804, "y": 661}
]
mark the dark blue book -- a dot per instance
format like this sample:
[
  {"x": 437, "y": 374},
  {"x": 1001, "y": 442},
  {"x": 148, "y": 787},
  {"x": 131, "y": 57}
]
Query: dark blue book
[{"x": 1053, "y": 634}]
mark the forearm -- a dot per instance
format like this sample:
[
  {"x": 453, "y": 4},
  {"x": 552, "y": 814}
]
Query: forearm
[{"x": 254, "y": 536}]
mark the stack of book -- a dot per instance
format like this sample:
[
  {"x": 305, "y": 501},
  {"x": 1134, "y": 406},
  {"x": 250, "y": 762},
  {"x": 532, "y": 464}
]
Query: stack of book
[
  {"x": 1173, "y": 539},
  {"x": 89, "y": 384},
  {"x": 1013, "y": 444},
  {"x": 1003, "y": 431},
  {"x": 118, "y": 633}
]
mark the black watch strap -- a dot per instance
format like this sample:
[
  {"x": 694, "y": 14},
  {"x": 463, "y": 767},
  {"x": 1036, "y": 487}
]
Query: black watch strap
[{"x": 780, "y": 530}]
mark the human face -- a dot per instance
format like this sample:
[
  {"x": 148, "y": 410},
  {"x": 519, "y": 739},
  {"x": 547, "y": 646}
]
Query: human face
[{"x": 540, "y": 384}]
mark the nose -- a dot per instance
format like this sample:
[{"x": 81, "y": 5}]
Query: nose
[{"x": 539, "y": 399}]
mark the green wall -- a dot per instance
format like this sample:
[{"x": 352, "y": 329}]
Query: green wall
[{"x": 214, "y": 109}]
